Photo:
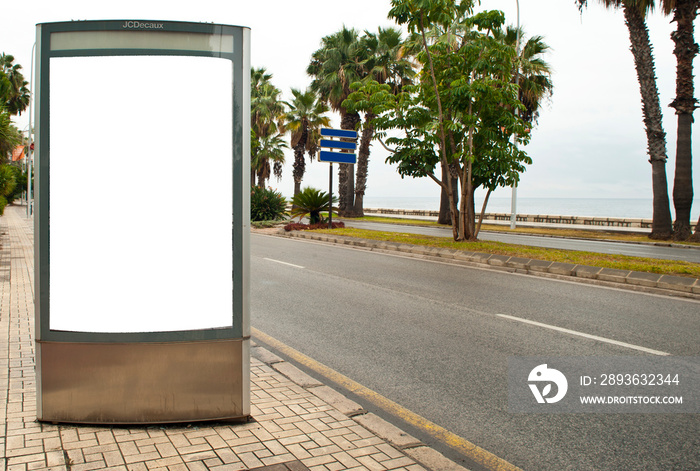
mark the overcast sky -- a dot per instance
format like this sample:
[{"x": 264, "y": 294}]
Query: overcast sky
[{"x": 589, "y": 141}]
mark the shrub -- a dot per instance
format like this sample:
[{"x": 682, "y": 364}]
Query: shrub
[
  {"x": 21, "y": 183},
  {"x": 3, "y": 203},
  {"x": 267, "y": 204},
  {"x": 311, "y": 202},
  {"x": 7, "y": 181}
]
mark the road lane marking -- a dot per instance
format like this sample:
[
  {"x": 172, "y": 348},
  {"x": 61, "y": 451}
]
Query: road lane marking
[
  {"x": 468, "y": 449},
  {"x": 588, "y": 336},
  {"x": 283, "y": 263}
]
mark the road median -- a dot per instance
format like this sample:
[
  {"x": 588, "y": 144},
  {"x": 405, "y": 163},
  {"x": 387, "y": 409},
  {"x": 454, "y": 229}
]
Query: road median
[{"x": 656, "y": 283}]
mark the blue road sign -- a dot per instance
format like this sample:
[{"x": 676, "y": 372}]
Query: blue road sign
[
  {"x": 338, "y": 133},
  {"x": 338, "y": 157},
  {"x": 338, "y": 144}
]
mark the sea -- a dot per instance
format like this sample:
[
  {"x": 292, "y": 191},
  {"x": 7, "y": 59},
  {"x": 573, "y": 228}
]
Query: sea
[{"x": 591, "y": 207}]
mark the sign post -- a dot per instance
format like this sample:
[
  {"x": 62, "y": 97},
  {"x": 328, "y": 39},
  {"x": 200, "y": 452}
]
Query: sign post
[
  {"x": 342, "y": 157},
  {"x": 330, "y": 195}
]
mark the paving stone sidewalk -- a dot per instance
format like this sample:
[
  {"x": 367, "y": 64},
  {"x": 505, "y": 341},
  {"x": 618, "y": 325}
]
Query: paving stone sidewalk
[{"x": 294, "y": 427}]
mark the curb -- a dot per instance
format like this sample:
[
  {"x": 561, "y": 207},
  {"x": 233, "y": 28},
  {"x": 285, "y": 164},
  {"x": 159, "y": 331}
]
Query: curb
[
  {"x": 402, "y": 441},
  {"x": 653, "y": 283}
]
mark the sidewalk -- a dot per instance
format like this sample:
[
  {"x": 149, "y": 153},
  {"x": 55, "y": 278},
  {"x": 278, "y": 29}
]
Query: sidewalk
[{"x": 298, "y": 423}]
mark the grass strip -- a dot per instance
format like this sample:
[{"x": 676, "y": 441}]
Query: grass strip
[
  {"x": 621, "y": 262},
  {"x": 596, "y": 234}
]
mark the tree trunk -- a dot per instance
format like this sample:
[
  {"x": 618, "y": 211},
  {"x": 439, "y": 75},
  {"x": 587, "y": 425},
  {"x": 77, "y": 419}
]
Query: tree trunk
[
  {"x": 346, "y": 172},
  {"x": 470, "y": 216},
  {"x": 685, "y": 51},
  {"x": 481, "y": 214},
  {"x": 651, "y": 109},
  {"x": 683, "y": 181},
  {"x": 362, "y": 164},
  {"x": 696, "y": 235},
  {"x": 467, "y": 181},
  {"x": 444, "y": 214},
  {"x": 454, "y": 213},
  {"x": 349, "y": 189},
  {"x": 661, "y": 225},
  {"x": 299, "y": 166}
]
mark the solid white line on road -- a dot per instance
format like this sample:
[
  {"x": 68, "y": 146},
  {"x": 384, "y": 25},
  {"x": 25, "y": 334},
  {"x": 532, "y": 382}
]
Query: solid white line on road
[
  {"x": 588, "y": 336},
  {"x": 283, "y": 263}
]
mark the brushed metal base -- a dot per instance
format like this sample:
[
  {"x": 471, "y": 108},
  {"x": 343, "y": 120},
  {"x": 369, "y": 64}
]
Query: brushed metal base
[{"x": 143, "y": 383}]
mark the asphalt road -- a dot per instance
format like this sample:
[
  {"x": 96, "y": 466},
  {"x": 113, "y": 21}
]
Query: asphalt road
[
  {"x": 428, "y": 336},
  {"x": 634, "y": 250}
]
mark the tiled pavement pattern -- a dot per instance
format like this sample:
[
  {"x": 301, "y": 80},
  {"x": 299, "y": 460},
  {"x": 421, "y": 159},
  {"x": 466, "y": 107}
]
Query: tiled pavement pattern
[{"x": 293, "y": 428}]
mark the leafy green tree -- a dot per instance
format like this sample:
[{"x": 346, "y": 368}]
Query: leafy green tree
[
  {"x": 304, "y": 119},
  {"x": 310, "y": 202},
  {"x": 533, "y": 76},
  {"x": 463, "y": 113}
]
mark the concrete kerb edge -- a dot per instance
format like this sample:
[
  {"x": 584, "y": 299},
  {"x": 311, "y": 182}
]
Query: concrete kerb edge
[
  {"x": 635, "y": 281},
  {"x": 393, "y": 435}
]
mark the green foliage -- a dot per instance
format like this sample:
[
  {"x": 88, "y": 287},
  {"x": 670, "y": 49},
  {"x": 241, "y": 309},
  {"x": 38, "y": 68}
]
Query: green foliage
[
  {"x": 266, "y": 204},
  {"x": 7, "y": 180},
  {"x": 3, "y": 203},
  {"x": 418, "y": 15},
  {"x": 304, "y": 120},
  {"x": 266, "y": 119},
  {"x": 10, "y": 136},
  {"x": 14, "y": 94},
  {"x": 336, "y": 65},
  {"x": 463, "y": 111},
  {"x": 20, "y": 178},
  {"x": 311, "y": 201}
]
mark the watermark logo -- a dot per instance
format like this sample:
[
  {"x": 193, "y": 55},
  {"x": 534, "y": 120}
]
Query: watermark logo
[{"x": 547, "y": 376}]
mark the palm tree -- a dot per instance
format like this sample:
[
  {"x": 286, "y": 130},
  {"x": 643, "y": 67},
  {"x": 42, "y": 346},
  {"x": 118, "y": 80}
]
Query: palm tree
[
  {"x": 387, "y": 62},
  {"x": 305, "y": 117},
  {"x": 10, "y": 136},
  {"x": 634, "y": 12},
  {"x": 334, "y": 67},
  {"x": 270, "y": 149},
  {"x": 266, "y": 116},
  {"x": 13, "y": 88},
  {"x": 311, "y": 202},
  {"x": 533, "y": 74},
  {"x": 684, "y": 13}
]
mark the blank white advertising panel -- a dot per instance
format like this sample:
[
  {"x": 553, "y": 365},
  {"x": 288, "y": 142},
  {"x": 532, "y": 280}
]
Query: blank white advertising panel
[{"x": 140, "y": 194}]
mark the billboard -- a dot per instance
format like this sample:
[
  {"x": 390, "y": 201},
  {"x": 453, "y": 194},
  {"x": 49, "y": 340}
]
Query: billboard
[{"x": 142, "y": 221}]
